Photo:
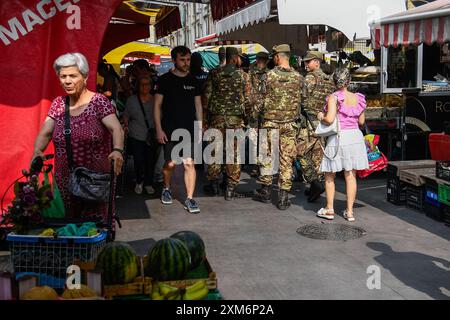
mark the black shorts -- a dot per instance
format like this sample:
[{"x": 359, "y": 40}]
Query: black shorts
[{"x": 181, "y": 154}]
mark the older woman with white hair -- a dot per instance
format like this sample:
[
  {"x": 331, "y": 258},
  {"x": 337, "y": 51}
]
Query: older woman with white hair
[
  {"x": 96, "y": 135},
  {"x": 345, "y": 151}
]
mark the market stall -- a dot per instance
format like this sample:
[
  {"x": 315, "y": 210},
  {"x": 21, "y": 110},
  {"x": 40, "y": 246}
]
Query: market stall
[{"x": 415, "y": 63}]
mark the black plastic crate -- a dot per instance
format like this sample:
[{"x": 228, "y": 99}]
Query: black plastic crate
[
  {"x": 431, "y": 193},
  {"x": 414, "y": 197},
  {"x": 396, "y": 191},
  {"x": 436, "y": 213},
  {"x": 446, "y": 215},
  {"x": 442, "y": 170},
  {"x": 392, "y": 171}
]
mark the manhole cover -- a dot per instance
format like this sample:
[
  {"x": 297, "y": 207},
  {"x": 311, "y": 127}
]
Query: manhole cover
[{"x": 329, "y": 231}]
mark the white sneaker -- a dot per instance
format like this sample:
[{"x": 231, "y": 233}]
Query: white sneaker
[
  {"x": 138, "y": 188},
  {"x": 149, "y": 189}
]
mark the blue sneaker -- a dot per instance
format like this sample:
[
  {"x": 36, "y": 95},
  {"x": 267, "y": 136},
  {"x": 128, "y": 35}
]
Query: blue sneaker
[
  {"x": 191, "y": 205},
  {"x": 166, "y": 196}
]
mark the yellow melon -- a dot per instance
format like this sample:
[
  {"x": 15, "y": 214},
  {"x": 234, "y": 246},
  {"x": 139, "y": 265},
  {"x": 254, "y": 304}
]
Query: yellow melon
[{"x": 40, "y": 293}]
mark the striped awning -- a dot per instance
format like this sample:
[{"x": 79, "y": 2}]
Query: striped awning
[
  {"x": 226, "y": 42},
  {"x": 426, "y": 24}
]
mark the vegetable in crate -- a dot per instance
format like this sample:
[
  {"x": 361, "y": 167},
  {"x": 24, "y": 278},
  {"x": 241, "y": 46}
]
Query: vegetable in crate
[
  {"x": 118, "y": 262},
  {"x": 169, "y": 259},
  {"x": 40, "y": 293},
  {"x": 195, "y": 245}
]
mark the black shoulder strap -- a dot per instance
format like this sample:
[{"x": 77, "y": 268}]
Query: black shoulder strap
[
  {"x": 143, "y": 111},
  {"x": 67, "y": 133}
]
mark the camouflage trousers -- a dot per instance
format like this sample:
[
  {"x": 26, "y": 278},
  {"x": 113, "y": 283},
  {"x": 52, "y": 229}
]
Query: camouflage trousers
[
  {"x": 287, "y": 152},
  {"x": 309, "y": 153},
  {"x": 233, "y": 170}
]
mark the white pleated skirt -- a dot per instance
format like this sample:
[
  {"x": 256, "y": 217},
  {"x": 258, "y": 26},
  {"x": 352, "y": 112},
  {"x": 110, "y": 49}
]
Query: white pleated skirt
[{"x": 351, "y": 152}]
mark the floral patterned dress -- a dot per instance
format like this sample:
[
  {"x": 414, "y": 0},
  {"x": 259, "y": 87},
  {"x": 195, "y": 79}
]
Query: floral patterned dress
[{"x": 91, "y": 145}]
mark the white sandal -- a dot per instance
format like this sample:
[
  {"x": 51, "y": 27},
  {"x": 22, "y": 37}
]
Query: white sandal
[
  {"x": 326, "y": 214},
  {"x": 346, "y": 217}
]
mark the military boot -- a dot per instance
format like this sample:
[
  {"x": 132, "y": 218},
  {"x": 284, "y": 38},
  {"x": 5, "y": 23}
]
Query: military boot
[
  {"x": 223, "y": 185},
  {"x": 212, "y": 189},
  {"x": 283, "y": 200},
  {"x": 316, "y": 190},
  {"x": 229, "y": 194},
  {"x": 263, "y": 194}
]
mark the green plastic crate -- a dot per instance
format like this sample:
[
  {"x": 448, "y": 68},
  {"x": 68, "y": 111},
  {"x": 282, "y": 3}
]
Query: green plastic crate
[{"x": 444, "y": 194}]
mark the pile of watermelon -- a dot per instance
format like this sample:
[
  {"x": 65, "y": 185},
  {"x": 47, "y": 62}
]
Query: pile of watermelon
[
  {"x": 172, "y": 258},
  {"x": 169, "y": 259}
]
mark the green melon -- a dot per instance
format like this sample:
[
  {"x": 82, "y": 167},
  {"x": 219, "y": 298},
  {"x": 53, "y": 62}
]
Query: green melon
[
  {"x": 168, "y": 259},
  {"x": 195, "y": 245},
  {"x": 118, "y": 262}
]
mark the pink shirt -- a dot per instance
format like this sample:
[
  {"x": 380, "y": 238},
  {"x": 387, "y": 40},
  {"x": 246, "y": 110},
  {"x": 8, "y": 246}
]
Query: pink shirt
[{"x": 348, "y": 115}]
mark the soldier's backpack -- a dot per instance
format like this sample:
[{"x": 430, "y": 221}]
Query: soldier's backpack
[{"x": 228, "y": 92}]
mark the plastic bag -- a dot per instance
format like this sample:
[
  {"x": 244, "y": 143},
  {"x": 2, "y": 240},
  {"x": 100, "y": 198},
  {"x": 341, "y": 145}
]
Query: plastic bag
[
  {"x": 377, "y": 160},
  {"x": 56, "y": 209}
]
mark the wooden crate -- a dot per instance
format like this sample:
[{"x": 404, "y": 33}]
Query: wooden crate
[
  {"x": 140, "y": 285},
  {"x": 211, "y": 280},
  {"x": 416, "y": 177},
  {"x": 395, "y": 167}
]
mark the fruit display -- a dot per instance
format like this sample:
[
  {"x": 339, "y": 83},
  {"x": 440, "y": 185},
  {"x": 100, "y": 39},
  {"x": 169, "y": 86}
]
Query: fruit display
[
  {"x": 118, "y": 262},
  {"x": 196, "y": 291},
  {"x": 83, "y": 292},
  {"x": 195, "y": 245},
  {"x": 169, "y": 259},
  {"x": 40, "y": 293}
]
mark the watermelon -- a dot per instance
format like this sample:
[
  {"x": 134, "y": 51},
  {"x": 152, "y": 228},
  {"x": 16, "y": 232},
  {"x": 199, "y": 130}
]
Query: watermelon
[
  {"x": 118, "y": 262},
  {"x": 195, "y": 245},
  {"x": 168, "y": 259}
]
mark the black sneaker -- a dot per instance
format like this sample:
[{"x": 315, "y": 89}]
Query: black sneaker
[
  {"x": 166, "y": 196},
  {"x": 191, "y": 205}
]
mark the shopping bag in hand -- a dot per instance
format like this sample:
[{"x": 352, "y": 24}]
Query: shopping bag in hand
[{"x": 377, "y": 160}]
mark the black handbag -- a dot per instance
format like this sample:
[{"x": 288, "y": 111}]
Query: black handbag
[{"x": 84, "y": 183}]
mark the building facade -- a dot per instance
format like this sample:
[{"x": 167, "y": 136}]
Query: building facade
[{"x": 197, "y": 22}]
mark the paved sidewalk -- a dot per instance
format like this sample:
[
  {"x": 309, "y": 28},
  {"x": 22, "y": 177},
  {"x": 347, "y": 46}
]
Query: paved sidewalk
[{"x": 257, "y": 254}]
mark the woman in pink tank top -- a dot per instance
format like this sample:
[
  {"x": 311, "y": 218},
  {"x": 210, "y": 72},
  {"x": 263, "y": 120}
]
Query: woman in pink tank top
[{"x": 345, "y": 151}]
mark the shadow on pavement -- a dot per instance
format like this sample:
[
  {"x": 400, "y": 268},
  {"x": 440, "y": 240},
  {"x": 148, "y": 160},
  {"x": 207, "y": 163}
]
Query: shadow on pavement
[{"x": 421, "y": 272}]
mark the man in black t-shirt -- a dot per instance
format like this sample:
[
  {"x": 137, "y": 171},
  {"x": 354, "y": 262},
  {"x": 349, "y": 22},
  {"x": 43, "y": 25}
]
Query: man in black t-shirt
[{"x": 178, "y": 106}]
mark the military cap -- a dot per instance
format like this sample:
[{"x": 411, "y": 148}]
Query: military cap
[
  {"x": 311, "y": 55},
  {"x": 262, "y": 55},
  {"x": 281, "y": 48},
  {"x": 231, "y": 51}
]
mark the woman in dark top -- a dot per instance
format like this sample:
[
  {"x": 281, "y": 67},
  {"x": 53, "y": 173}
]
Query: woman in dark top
[{"x": 140, "y": 127}]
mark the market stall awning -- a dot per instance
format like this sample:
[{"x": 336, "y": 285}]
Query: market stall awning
[
  {"x": 116, "y": 56},
  {"x": 237, "y": 14},
  {"x": 427, "y": 24},
  {"x": 350, "y": 17},
  {"x": 168, "y": 21},
  {"x": 208, "y": 38}
]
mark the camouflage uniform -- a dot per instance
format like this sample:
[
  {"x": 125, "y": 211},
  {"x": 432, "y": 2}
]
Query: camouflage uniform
[
  {"x": 315, "y": 91},
  {"x": 257, "y": 79},
  {"x": 228, "y": 90},
  {"x": 281, "y": 112}
]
